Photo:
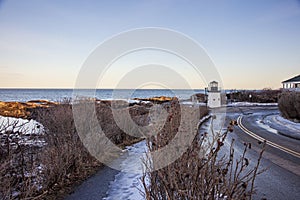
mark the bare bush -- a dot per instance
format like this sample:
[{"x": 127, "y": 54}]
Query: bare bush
[
  {"x": 111, "y": 128},
  {"x": 64, "y": 158},
  {"x": 202, "y": 172},
  {"x": 19, "y": 169},
  {"x": 289, "y": 105}
]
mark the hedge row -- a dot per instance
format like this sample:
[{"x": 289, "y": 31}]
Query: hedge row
[
  {"x": 289, "y": 105},
  {"x": 259, "y": 96}
]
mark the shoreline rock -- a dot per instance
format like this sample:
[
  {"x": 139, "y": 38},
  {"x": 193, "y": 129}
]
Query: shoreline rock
[{"x": 22, "y": 109}]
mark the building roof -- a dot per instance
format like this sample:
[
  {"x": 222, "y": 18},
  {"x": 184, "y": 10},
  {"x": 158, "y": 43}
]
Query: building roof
[{"x": 294, "y": 79}]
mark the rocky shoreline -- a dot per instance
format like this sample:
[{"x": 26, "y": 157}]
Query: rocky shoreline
[{"x": 23, "y": 109}]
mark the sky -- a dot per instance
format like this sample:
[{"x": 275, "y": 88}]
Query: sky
[{"x": 253, "y": 44}]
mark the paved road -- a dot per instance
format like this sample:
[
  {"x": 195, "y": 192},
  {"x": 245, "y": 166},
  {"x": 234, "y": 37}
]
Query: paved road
[{"x": 281, "y": 158}]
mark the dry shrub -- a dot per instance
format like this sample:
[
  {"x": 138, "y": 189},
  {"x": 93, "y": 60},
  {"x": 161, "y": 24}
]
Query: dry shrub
[
  {"x": 110, "y": 127},
  {"x": 289, "y": 105},
  {"x": 201, "y": 172},
  {"x": 19, "y": 169},
  {"x": 64, "y": 158}
]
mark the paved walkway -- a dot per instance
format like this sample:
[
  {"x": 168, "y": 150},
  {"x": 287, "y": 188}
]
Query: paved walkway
[{"x": 94, "y": 188}]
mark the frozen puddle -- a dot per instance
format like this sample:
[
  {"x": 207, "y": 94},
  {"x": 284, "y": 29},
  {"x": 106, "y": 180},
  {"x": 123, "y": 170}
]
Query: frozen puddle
[{"x": 127, "y": 183}]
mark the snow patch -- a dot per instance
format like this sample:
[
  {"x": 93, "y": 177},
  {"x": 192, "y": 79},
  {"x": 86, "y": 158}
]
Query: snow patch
[
  {"x": 283, "y": 126},
  {"x": 21, "y": 126},
  {"x": 21, "y": 131},
  {"x": 287, "y": 123},
  {"x": 193, "y": 103},
  {"x": 251, "y": 104},
  {"x": 127, "y": 183},
  {"x": 266, "y": 127},
  {"x": 138, "y": 101}
]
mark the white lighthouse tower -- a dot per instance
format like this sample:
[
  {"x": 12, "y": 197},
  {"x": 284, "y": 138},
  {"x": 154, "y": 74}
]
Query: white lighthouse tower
[{"x": 214, "y": 95}]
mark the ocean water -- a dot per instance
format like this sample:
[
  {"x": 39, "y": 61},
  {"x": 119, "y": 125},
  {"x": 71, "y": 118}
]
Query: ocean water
[{"x": 24, "y": 95}]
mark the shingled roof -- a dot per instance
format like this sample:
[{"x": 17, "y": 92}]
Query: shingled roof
[{"x": 294, "y": 79}]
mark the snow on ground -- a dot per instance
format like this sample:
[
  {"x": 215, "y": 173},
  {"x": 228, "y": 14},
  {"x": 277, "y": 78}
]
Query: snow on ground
[
  {"x": 283, "y": 126},
  {"x": 18, "y": 125},
  {"x": 21, "y": 131},
  {"x": 127, "y": 183},
  {"x": 193, "y": 103},
  {"x": 287, "y": 123},
  {"x": 251, "y": 104},
  {"x": 138, "y": 101},
  {"x": 264, "y": 125},
  {"x": 130, "y": 101}
]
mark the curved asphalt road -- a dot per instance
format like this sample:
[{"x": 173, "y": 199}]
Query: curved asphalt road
[{"x": 282, "y": 156}]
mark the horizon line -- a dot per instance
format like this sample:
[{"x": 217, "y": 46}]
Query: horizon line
[{"x": 32, "y": 88}]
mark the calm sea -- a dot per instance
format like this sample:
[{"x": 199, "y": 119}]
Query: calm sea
[{"x": 24, "y": 95}]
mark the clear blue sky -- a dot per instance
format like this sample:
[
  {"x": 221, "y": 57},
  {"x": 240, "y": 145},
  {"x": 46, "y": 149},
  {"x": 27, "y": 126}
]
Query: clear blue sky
[{"x": 254, "y": 44}]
